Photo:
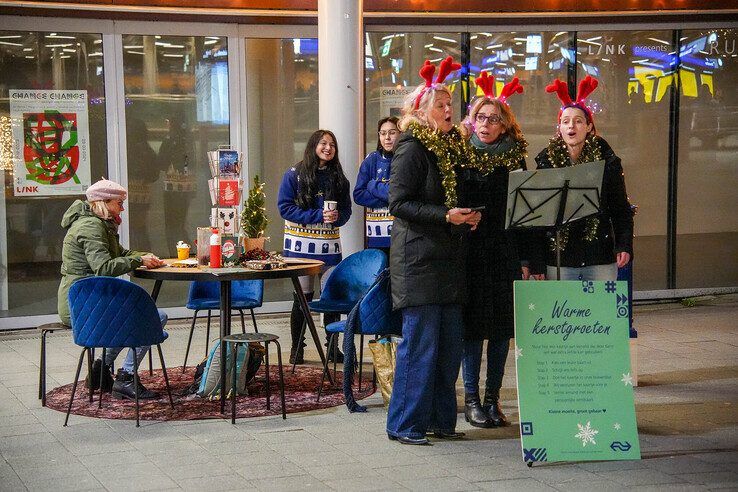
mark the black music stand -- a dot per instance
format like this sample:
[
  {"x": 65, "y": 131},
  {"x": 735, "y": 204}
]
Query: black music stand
[{"x": 553, "y": 198}]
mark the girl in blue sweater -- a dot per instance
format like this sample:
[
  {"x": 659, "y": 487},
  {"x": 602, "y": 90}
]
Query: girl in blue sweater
[
  {"x": 310, "y": 231},
  {"x": 372, "y": 186}
]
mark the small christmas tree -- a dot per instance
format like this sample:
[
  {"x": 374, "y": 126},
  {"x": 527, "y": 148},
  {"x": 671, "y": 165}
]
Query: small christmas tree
[{"x": 253, "y": 217}]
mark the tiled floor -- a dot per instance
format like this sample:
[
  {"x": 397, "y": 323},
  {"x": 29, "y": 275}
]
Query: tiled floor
[{"x": 686, "y": 407}]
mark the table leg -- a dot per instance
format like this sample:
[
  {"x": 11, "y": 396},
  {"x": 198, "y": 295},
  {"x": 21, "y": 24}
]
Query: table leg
[
  {"x": 154, "y": 296},
  {"x": 225, "y": 330},
  {"x": 156, "y": 289},
  {"x": 309, "y": 319}
]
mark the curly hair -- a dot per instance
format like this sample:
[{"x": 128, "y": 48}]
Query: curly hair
[{"x": 507, "y": 118}]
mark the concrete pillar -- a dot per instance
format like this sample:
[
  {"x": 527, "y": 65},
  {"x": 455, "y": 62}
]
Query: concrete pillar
[
  {"x": 150, "y": 72},
  {"x": 341, "y": 95}
]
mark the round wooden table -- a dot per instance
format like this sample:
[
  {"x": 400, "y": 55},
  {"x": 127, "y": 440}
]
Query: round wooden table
[{"x": 295, "y": 269}]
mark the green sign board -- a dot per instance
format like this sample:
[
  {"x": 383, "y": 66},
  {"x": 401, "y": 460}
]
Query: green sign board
[{"x": 575, "y": 389}]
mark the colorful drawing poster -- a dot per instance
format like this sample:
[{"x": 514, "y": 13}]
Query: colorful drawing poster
[
  {"x": 230, "y": 250},
  {"x": 51, "y": 142},
  {"x": 575, "y": 389}
]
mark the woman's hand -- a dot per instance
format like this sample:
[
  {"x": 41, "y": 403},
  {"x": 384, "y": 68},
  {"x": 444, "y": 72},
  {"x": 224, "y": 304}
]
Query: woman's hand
[
  {"x": 458, "y": 216},
  {"x": 623, "y": 259},
  {"x": 330, "y": 216},
  {"x": 531, "y": 276},
  {"x": 151, "y": 261}
]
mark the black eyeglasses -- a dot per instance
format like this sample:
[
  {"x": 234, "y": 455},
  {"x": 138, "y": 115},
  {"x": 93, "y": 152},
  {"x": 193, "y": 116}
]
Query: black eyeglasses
[{"x": 483, "y": 118}]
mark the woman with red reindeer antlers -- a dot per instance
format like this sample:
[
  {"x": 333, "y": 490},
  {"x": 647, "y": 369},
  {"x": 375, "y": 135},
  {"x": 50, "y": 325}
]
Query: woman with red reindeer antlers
[
  {"x": 493, "y": 260},
  {"x": 593, "y": 248},
  {"x": 427, "y": 263}
]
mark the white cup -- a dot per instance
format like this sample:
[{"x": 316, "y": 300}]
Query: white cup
[{"x": 330, "y": 205}]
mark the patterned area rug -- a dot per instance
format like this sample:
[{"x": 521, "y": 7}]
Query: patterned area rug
[{"x": 300, "y": 395}]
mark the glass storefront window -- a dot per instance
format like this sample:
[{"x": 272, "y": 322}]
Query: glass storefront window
[
  {"x": 707, "y": 225},
  {"x": 536, "y": 58},
  {"x": 391, "y": 71},
  {"x": 176, "y": 97},
  {"x": 282, "y": 93},
  {"x": 30, "y": 231},
  {"x": 631, "y": 106}
]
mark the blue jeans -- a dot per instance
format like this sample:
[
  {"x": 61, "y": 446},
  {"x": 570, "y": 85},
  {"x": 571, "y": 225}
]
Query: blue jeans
[
  {"x": 472, "y": 363},
  {"x": 139, "y": 354},
  {"x": 592, "y": 272},
  {"x": 427, "y": 367}
]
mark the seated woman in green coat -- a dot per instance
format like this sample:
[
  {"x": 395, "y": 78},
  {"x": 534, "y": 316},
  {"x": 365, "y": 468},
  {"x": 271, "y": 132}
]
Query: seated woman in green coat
[{"x": 92, "y": 248}]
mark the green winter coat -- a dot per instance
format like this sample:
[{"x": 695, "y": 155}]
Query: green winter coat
[{"x": 91, "y": 248}]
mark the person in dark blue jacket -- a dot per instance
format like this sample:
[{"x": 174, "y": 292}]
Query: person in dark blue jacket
[
  {"x": 310, "y": 229},
  {"x": 372, "y": 186}
]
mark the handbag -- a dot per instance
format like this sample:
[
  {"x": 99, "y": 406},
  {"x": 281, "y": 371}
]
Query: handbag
[{"x": 384, "y": 353}]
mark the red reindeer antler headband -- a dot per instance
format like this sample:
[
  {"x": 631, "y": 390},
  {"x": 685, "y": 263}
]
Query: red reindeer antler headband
[
  {"x": 428, "y": 69},
  {"x": 487, "y": 83},
  {"x": 586, "y": 87}
]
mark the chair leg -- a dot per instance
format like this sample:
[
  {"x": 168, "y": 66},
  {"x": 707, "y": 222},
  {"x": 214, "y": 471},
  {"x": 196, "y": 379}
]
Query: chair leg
[
  {"x": 207, "y": 334},
  {"x": 89, "y": 372},
  {"x": 102, "y": 372},
  {"x": 243, "y": 324},
  {"x": 302, "y": 335},
  {"x": 281, "y": 378},
  {"x": 166, "y": 377},
  {"x": 253, "y": 320},
  {"x": 74, "y": 385},
  {"x": 266, "y": 372},
  {"x": 234, "y": 384},
  {"x": 151, "y": 364},
  {"x": 325, "y": 367},
  {"x": 361, "y": 357},
  {"x": 135, "y": 387},
  {"x": 335, "y": 355},
  {"x": 189, "y": 341}
]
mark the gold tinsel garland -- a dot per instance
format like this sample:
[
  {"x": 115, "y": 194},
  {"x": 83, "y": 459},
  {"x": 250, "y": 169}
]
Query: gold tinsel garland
[
  {"x": 558, "y": 156},
  {"x": 453, "y": 150}
]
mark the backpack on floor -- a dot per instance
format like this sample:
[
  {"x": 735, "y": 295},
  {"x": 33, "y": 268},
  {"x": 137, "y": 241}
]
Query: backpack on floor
[{"x": 248, "y": 363}]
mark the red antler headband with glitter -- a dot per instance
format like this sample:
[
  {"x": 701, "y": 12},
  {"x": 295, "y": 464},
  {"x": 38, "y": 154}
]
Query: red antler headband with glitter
[
  {"x": 428, "y": 69},
  {"x": 487, "y": 83},
  {"x": 586, "y": 87}
]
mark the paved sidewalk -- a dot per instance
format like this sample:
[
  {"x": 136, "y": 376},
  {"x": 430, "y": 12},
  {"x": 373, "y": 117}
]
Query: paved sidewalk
[{"x": 686, "y": 408}]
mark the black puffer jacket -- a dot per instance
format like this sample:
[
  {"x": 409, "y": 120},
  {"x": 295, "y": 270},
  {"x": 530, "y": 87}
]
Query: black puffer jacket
[
  {"x": 427, "y": 258},
  {"x": 493, "y": 259},
  {"x": 615, "y": 228}
]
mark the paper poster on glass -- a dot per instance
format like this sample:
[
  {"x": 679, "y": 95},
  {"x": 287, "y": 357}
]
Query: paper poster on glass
[
  {"x": 574, "y": 380},
  {"x": 390, "y": 100},
  {"x": 51, "y": 142}
]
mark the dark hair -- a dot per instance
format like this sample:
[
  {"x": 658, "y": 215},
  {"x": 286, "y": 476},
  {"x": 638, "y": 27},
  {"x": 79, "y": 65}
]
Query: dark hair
[
  {"x": 307, "y": 177},
  {"x": 388, "y": 119}
]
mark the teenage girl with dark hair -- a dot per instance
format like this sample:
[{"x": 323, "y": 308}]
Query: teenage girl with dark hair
[
  {"x": 309, "y": 230},
  {"x": 372, "y": 186}
]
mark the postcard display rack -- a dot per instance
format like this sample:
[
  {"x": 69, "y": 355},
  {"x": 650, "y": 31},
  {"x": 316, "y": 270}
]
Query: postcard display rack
[{"x": 226, "y": 187}]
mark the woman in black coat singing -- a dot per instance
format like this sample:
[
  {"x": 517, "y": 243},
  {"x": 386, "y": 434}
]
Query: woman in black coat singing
[
  {"x": 494, "y": 259},
  {"x": 592, "y": 248},
  {"x": 427, "y": 265}
]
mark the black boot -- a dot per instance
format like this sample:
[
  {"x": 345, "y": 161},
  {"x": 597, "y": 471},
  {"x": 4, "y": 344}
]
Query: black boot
[
  {"x": 474, "y": 413},
  {"x": 297, "y": 319},
  {"x": 123, "y": 387},
  {"x": 494, "y": 411},
  {"x": 94, "y": 378}
]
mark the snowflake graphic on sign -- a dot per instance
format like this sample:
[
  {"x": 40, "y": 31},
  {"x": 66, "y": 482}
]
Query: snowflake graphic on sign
[
  {"x": 586, "y": 434},
  {"x": 627, "y": 379}
]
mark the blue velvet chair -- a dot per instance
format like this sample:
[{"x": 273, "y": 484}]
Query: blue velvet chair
[
  {"x": 109, "y": 312},
  {"x": 350, "y": 279},
  {"x": 373, "y": 315},
  {"x": 245, "y": 294}
]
